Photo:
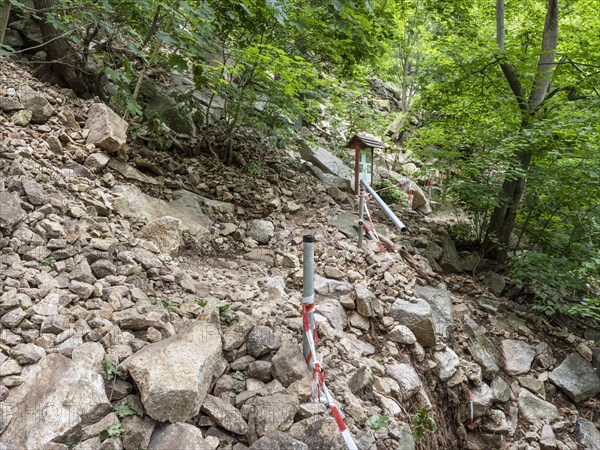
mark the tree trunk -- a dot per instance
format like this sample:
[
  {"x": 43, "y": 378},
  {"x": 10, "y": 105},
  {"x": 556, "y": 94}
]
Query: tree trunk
[
  {"x": 501, "y": 224},
  {"x": 4, "y": 13},
  {"x": 67, "y": 63}
]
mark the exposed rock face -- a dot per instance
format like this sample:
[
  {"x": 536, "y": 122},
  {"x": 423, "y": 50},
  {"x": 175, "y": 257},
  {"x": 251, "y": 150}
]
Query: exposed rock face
[
  {"x": 192, "y": 354},
  {"x": 106, "y": 129},
  {"x": 166, "y": 233},
  {"x": 57, "y": 397},
  {"x": 326, "y": 161},
  {"x": 416, "y": 316},
  {"x": 577, "y": 378},
  {"x": 518, "y": 356}
]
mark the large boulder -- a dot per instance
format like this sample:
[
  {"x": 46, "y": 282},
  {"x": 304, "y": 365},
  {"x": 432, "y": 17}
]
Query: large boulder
[
  {"x": 224, "y": 414},
  {"x": 37, "y": 103},
  {"x": 180, "y": 436},
  {"x": 450, "y": 261},
  {"x": 407, "y": 378},
  {"x": 587, "y": 434},
  {"x": 167, "y": 107},
  {"x": 192, "y": 356},
  {"x": 577, "y": 378},
  {"x": 534, "y": 409},
  {"x": 133, "y": 201},
  {"x": 517, "y": 355},
  {"x": 440, "y": 301},
  {"x": 289, "y": 364},
  {"x": 260, "y": 230},
  {"x": 326, "y": 161},
  {"x": 11, "y": 212},
  {"x": 276, "y": 440},
  {"x": 483, "y": 350},
  {"x": 106, "y": 129},
  {"x": 166, "y": 232},
  {"x": 274, "y": 412},
  {"x": 58, "y": 396},
  {"x": 416, "y": 316}
]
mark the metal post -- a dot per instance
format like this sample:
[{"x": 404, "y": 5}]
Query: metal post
[
  {"x": 383, "y": 205},
  {"x": 308, "y": 289},
  {"x": 361, "y": 218}
]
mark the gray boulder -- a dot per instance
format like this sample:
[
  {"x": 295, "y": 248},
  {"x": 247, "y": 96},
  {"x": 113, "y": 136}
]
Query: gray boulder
[
  {"x": 494, "y": 282},
  {"x": 106, "y": 128},
  {"x": 192, "y": 355},
  {"x": 224, "y": 414},
  {"x": 407, "y": 378},
  {"x": 518, "y": 356},
  {"x": 367, "y": 303},
  {"x": 448, "y": 363},
  {"x": 483, "y": 351},
  {"x": 35, "y": 102},
  {"x": 274, "y": 412},
  {"x": 577, "y": 378},
  {"x": 326, "y": 161},
  {"x": 418, "y": 318},
  {"x": 450, "y": 261},
  {"x": 261, "y": 341},
  {"x": 587, "y": 434},
  {"x": 11, "y": 212},
  {"x": 289, "y": 365},
  {"x": 534, "y": 409},
  {"x": 180, "y": 436},
  {"x": 440, "y": 301},
  {"x": 57, "y": 397},
  {"x": 276, "y": 440},
  {"x": 328, "y": 286},
  {"x": 166, "y": 232},
  {"x": 260, "y": 230}
]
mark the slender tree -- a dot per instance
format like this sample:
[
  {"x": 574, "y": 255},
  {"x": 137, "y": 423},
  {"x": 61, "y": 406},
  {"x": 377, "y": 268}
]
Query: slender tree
[
  {"x": 66, "y": 61},
  {"x": 4, "y": 13},
  {"x": 503, "y": 217}
]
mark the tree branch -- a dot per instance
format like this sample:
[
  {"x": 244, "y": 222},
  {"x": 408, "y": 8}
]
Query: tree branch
[{"x": 546, "y": 62}]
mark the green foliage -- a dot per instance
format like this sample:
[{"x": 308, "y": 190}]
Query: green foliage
[
  {"x": 111, "y": 369},
  {"x": 114, "y": 430},
  {"x": 239, "y": 376},
  {"x": 223, "y": 306},
  {"x": 422, "y": 424},
  {"x": 376, "y": 422},
  {"x": 390, "y": 193},
  {"x": 127, "y": 408},
  {"x": 48, "y": 262},
  {"x": 554, "y": 279}
]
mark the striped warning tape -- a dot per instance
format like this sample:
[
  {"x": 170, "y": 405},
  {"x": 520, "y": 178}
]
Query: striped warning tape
[{"x": 319, "y": 391}]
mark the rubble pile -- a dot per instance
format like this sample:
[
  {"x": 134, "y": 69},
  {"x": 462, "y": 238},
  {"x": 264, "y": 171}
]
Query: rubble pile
[{"x": 151, "y": 300}]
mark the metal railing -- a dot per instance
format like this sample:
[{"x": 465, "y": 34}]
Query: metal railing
[{"x": 381, "y": 203}]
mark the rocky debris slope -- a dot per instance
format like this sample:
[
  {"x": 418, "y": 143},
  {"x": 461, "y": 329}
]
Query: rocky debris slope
[{"x": 155, "y": 303}]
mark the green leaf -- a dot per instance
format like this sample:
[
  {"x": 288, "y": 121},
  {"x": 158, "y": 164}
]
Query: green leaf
[
  {"x": 112, "y": 371},
  {"x": 114, "y": 430},
  {"x": 376, "y": 422},
  {"x": 127, "y": 408},
  {"x": 165, "y": 37},
  {"x": 239, "y": 376},
  {"x": 223, "y": 305},
  {"x": 177, "y": 62}
]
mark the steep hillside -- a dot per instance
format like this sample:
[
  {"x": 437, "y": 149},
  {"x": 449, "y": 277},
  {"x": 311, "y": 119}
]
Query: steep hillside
[{"x": 153, "y": 300}]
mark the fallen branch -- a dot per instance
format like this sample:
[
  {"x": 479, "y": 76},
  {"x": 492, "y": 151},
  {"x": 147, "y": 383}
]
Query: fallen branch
[{"x": 430, "y": 277}]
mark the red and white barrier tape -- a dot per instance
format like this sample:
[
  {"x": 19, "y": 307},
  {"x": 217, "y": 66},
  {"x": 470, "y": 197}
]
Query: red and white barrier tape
[
  {"x": 372, "y": 229},
  {"x": 320, "y": 393}
]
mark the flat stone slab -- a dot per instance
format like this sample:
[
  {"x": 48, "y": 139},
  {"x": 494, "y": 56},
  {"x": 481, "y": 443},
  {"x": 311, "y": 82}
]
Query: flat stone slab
[{"x": 577, "y": 378}]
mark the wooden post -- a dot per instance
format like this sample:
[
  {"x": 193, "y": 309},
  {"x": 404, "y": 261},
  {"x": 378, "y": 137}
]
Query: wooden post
[{"x": 356, "y": 167}]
